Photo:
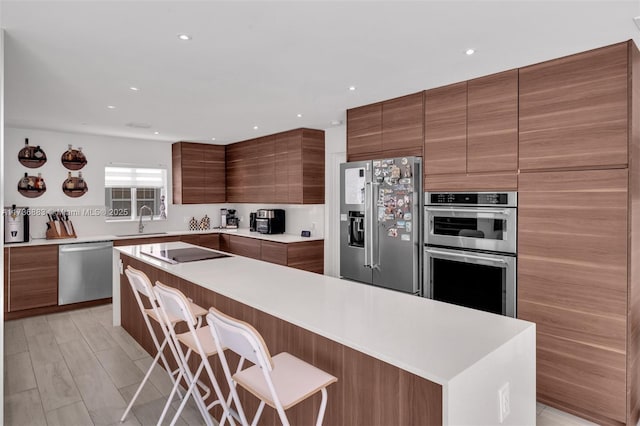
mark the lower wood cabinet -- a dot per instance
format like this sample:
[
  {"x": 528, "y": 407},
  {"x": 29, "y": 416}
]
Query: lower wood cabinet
[
  {"x": 32, "y": 277},
  {"x": 572, "y": 282},
  {"x": 248, "y": 247},
  {"x": 305, "y": 255},
  {"x": 274, "y": 252},
  {"x": 147, "y": 240},
  {"x": 211, "y": 241}
]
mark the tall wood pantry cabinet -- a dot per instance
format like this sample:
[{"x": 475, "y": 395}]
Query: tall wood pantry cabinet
[{"x": 579, "y": 229}]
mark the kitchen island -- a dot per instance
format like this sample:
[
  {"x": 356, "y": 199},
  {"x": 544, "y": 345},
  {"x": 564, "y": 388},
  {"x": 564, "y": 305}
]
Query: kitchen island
[{"x": 400, "y": 359}]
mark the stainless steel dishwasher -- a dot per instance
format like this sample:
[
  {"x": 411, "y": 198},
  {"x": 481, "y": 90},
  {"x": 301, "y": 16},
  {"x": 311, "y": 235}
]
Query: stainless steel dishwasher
[{"x": 84, "y": 272}]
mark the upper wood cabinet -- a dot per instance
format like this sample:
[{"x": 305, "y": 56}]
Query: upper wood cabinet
[
  {"x": 492, "y": 123},
  {"x": 286, "y": 168},
  {"x": 445, "y": 122},
  {"x": 391, "y": 128},
  {"x": 471, "y": 135},
  {"x": 573, "y": 111},
  {"x": 198, "y": 173},
  {"x": 403, "y": 125},
  {"x": 364, "y": 130}
]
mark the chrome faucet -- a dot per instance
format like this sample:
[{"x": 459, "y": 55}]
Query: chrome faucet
[{"x": 140, "y": 225}]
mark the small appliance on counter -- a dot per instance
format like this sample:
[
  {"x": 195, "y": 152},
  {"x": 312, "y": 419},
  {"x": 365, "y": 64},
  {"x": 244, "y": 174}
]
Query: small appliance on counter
[
  {"x": 252, "y": 222},
  {"x": 223, "y": 218},
  {"x": 270, "y": 221},
  {"x": 16, "y": 224},
  {"x": 232, "y": 220}
]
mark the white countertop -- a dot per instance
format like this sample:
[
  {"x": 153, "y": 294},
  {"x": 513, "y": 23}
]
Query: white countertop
[
  {"x": 243, "y": 232},
  {"x": 434, "y": 340}
]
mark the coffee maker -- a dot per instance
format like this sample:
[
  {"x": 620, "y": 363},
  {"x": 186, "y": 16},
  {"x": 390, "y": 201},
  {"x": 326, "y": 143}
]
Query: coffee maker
[
  {"x": 223, "y": 218},
  {"x": 16, "y": 224},
  {"x": 232, "y": 220}
]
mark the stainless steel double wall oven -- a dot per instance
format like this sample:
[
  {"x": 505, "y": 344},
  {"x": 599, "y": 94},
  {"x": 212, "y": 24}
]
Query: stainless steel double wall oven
[{"x": 470, "y": 249}]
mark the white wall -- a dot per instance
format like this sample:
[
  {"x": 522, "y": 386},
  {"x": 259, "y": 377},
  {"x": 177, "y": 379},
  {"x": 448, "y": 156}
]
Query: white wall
[
  {"x": 101, "y": 151},
  {"x": 335, "y": 153}
]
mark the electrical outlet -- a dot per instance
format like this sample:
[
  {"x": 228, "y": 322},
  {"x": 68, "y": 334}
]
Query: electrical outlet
[
  {"x": 313, "y": 226},
  {"x": 505, "y": 401}
]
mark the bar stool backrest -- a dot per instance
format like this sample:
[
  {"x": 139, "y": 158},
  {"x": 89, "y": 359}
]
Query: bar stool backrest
[
  {"x": 240, "y": 337},
  {"x": 174, "y": 303},
  {"x": 140, "y": 284}
]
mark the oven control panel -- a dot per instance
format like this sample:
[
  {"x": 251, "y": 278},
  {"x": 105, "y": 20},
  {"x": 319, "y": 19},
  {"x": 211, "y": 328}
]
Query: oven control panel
[{"x": 471, "y": 198}]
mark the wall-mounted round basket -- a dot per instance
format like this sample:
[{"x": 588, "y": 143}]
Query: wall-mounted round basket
[
  {"x": 32, "y": 156},
  {"x": 29, "y": 187},
  {"x": 73, "y": 159},
  {"x": 74, "y": 187}
]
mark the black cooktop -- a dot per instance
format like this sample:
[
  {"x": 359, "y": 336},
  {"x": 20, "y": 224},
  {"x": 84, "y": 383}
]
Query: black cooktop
[{"x": 182, "y": 255}]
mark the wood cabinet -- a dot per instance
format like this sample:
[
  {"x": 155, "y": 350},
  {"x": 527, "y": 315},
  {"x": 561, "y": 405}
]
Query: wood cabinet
[
  {"x": 573, "y": 111},
  {"x": 392, "y": 128},
  {"x": 445, "y": 122},
  {"x": 305, "y": 255},
  {"x": 242, "y": 170},
  {"x": 32, "y": 277},
  {"x": 211, "y": 241},
  {"x": 198, "y": 173},
  {"x": 572, "y": 282},
  {"x": 274, "y": 252},
  {"x": 364, "y": 130},
  {"x": 248, "y": 247},
  {"x": 7, "y": 265},
  {"x": 146, "y": 240},
  {"x": 286, "y": 168},
  {"x": 471, "y": 134},
  {"x": 492, "y": 123}
]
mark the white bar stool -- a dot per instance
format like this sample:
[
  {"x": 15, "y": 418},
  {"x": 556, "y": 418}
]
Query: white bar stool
[
  {"x": 141, "y": 286},
  {"x": 281, "y": 381},
  {"x": 173, "y": 303}
]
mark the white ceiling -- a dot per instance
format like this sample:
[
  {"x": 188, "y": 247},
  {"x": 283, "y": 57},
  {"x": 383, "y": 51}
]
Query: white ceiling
[{"x": 261, "y": 63}]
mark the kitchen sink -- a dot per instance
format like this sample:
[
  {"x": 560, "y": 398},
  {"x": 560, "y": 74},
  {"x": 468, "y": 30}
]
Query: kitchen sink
[{"x": 144, "y": 234}]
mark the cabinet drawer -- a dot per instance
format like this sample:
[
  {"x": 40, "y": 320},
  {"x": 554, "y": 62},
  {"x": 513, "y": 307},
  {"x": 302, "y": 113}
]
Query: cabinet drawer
[
  {"x": 33, "y": 277},
  {"x": 248, "y": 247},
  {"x": 274, "y": 252}
]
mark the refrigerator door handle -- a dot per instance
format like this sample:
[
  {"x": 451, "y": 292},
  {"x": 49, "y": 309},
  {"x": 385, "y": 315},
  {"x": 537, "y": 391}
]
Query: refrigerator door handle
[
  {"x": 375, "y": 263},
  {"x": 368, "y": 224}
]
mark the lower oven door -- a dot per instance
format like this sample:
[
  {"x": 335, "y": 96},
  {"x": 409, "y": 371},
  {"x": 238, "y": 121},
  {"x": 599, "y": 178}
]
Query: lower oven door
[{"x": 484, "y": 281}]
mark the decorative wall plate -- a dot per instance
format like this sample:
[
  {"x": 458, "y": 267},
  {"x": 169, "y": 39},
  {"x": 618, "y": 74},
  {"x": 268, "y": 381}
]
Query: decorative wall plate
[
  {"x": 31, "y": 189},
  {"x": 32, "y": 156},
  {"x": 73, "y": 159},
  {"x": 74, "y": 187}
]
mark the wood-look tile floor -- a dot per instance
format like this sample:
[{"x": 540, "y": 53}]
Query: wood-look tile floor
[{"x": 74, "y": 369}]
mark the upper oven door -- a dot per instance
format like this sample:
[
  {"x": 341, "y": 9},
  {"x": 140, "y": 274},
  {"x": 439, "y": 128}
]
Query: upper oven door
[{"x": 482, "y": 228}]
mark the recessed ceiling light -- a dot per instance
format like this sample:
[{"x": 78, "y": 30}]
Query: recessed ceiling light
[
  {"x": 213, "y": 139},
  {"x": 352, "y": 88},
  {"x": 184, "y": 37},
  {"x": 299, "y": 115},
  {"x": 156, "y": 133},
  {"x": 255, "y": 127},
  {"x": 470, "y": 52},
  {"x": 111, "y": 107},
  {"x": 135, "y": 89}
]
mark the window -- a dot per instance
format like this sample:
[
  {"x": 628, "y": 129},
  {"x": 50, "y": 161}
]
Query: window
[{"x": 128, "y": 188}]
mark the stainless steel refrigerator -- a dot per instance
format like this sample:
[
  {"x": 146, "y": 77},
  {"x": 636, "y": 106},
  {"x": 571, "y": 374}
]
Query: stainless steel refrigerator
[{"x": 381, "y": 223}]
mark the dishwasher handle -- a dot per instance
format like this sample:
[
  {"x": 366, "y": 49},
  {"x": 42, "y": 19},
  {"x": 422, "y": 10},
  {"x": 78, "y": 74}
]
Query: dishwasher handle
[{"x": 70, "y": 248}]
